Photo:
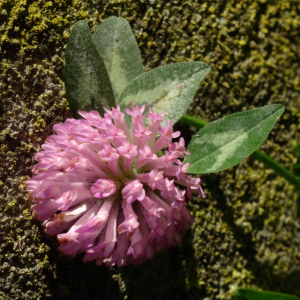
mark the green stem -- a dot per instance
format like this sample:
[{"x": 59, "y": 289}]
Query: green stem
[
  {"x": 192, "y": 121},
  {"x": 258, "y": 155},
  {"x": 278, "y": 168}
]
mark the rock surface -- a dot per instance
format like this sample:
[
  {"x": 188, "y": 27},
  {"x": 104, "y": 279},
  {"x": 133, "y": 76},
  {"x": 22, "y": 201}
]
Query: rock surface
[{"x": 247, "y": 229}]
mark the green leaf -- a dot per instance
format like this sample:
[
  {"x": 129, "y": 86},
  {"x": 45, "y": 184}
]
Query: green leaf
[
  {"x": 248, "y": 294},
  {"x": 296, "y": 166},
  {"x": 296, "y": 150},
  {"x": 227, "y": 141},
  {"x": 170, "y": 88},
  {"x": 86, "y": 79},
  {"x": 120, "y": 52}
]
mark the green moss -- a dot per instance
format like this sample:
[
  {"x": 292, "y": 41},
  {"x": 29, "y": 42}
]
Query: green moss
[{"x": 246, "y": 231}]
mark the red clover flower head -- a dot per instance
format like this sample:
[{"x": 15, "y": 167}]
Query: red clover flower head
[{"x": 104, "y": 191}]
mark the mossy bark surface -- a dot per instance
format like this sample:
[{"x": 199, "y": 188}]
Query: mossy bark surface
[{"x": 246, "y": 232}]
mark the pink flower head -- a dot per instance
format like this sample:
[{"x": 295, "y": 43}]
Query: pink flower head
[
  {"x": 179, "y": 148},
  {"x": 133, "y": 191},
  {"x": 103, "y": 190}
]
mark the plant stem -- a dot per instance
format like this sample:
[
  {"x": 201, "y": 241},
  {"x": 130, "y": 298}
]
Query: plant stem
[
  {"x": 192, "y": 121},
  {"x": 278, "y": 168},
  {"x": 258, "y": 155}
]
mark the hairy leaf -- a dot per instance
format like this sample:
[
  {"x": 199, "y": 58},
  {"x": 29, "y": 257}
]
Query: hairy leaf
[
  {"x": 87, "y": 83},
  {"x": 227, "y": 141},
  {"x": 120, "y": 52},
  {"x": 170, "y": 88}
]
